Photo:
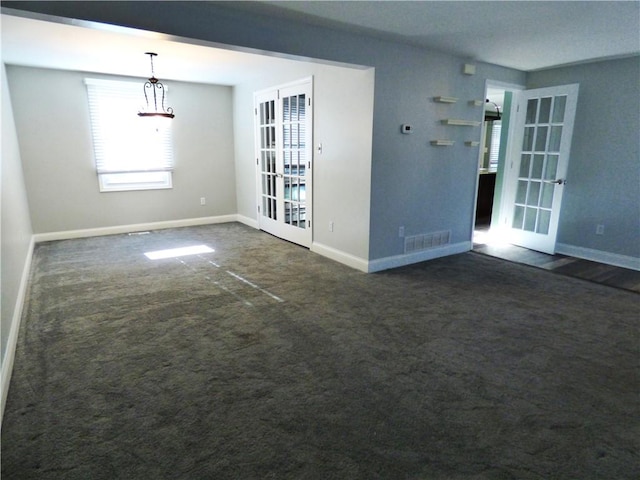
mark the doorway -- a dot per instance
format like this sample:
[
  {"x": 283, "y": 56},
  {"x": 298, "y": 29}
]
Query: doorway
[
  {"x": 490, "y": 148},
  {"x": 492, "y": 157}
]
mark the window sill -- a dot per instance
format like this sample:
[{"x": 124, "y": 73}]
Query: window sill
[{"x": 122, "y": 182}]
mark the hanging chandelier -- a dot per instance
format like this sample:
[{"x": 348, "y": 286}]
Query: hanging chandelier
[
  {"x": 490, "y": 118},
  {"x": 154, "y": 86}
]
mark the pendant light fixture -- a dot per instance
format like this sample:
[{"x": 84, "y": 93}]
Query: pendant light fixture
[
  {"x": 488, "y": 116},
  {"x": 154, "y": 86}
]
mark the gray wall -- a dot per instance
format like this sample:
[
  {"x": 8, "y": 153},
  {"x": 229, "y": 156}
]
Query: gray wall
[
  {"x": 59, "y": 167},
  {"x": 603, "y": 180},
  {"x": 421, "y": 187},
  {"x": 342, "y": 122},
  {"x": 15, "y": 225}
]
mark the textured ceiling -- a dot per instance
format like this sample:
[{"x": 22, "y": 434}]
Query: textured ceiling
[
  {"x": 525, "y": 35},
  {"x": 518, "y": 34}
]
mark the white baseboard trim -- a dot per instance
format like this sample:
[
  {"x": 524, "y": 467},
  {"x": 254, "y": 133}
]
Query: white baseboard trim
[
  {"x": 12, "y": 340},
  {"x": 599, "y": 256},
  {"x": 371, "y": 266},
  {"x": 340, "y": 257},
  {"x": 421, "y": 256},
  {"x": 249, "y": 222},
  {"x": 138, "y": 227}
]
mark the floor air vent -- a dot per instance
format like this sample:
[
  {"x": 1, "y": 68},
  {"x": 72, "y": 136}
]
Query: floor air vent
[{"x": 425, "y": 241}]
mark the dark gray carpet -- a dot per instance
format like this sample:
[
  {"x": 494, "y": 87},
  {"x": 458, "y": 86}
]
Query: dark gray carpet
[{"x": 263, "y": 360}]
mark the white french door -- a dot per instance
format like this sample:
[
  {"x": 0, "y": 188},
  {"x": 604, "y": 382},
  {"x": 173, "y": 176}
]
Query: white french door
[
  {"x": 284, "y": 160},
  {"x": 536, "y": 172}
]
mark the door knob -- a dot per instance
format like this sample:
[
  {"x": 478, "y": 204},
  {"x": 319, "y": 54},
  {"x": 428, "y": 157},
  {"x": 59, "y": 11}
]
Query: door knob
[{"x": 559, "y": 181}]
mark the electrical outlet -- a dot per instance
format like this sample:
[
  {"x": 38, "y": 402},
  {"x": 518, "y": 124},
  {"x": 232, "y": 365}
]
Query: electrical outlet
[
  {"x": 203, "y": 201},
  {"x": 401, "y": 232},
  {"x": 599, "y": 229},
  {"x": 331, "y": 226}
]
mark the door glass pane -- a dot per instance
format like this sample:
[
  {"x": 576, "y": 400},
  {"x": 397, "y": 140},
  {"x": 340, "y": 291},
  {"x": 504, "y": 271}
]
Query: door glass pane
[
  {"x": 541, "y": 139},
  {"x": 554, "y": 139},
  {"x": 295, "y": 190},
  {"x": 287, "y": 188},
  {"x": 269, "y": 207},
  {"x": 558, "y": 108},
  {"x": 547, "y": 195},
  {"x": 532, "y": 109},
  {"x": 545, "y": 110},
  {"x": 286, "y": 159},
  {"x": 552, "y": 167},
  {"x": 530, "y": 219},
  {"x": 521, "y": 193},
  {"x": 534, "y": 194},
  {"x": 272, "y": 137},
  {"x": 544, "y": 218},
  {"x": 518, "y": 217},
  {"x": 287, "y": 213},
  {"x": 525, "y": 164},
  {"x": 302, "y": 188},
  {"x": 538, "y": 162},
  {"x": 302, "y": 102},
  {"x": 294, "y": 118},
  {"x": 527, "y": 141}
]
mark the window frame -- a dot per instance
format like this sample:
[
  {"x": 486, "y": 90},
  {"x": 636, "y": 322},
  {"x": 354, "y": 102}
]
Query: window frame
[{"x": 137, "y": 169}]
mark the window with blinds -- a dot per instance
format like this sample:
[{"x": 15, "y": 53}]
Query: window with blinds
[
  {"x": 131, "y": 153},
  {"x": 494, "y": 150}
]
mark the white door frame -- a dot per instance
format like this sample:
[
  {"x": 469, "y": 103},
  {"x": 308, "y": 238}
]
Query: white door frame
[{"x": 514, "y": 88}]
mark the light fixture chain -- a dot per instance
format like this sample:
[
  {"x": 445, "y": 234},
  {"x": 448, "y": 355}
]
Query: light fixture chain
[{"x": 153, "y": 74}]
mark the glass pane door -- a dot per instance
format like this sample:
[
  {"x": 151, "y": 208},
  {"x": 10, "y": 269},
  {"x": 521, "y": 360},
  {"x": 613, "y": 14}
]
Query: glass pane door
[
  {"x": 283, "y": 158},
  {"x": 539, "y": 166}
]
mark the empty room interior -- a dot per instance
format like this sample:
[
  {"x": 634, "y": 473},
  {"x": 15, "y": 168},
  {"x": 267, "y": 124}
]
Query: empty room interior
[{"x": 283, "y": 240}]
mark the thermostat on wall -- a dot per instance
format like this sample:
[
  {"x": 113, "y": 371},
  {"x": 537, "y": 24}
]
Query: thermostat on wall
[{"x": 406, "y": 128}]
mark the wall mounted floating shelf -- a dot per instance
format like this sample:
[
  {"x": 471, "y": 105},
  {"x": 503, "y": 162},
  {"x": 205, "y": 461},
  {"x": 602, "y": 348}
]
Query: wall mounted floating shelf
[
  {"x": 441, "y": 143},
  {"x": 472, "y": 143},
  {"x": 445, "y": 99},
  {"x": 463, "y": 123}
]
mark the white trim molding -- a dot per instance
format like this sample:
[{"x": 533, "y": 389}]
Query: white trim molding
[
  {"x": 617, "y": 260},
  {"x": 249, "y": 222},
  {"x": 377, "y": 265},
  {"x": 420, "y": 256},
  {"x": 340, "y": 257},
  {"x": 138, "y": 227},
  {"x": 12, "y": 340}
]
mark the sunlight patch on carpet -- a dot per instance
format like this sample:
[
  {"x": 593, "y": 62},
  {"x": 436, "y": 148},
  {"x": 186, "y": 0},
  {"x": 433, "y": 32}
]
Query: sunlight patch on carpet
[
  {"x": 482, "y": 237},
  {"x": 178, "y": 252}
]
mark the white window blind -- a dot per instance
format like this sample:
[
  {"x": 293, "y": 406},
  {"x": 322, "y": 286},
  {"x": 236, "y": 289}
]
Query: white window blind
[
  {"x": 125, "y": 143},
  {"x": 494, "y": 152}
]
